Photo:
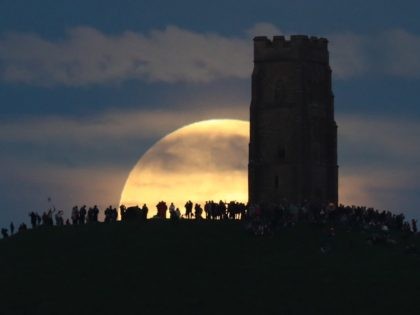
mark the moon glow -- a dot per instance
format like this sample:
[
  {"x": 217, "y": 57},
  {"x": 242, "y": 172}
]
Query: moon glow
[{"x": 207, "y": 160}]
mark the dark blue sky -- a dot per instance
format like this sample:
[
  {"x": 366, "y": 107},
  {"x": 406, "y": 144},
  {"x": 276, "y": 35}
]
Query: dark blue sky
[
  {"x": 71, "y": 71},
  {"x": 227, "y": 17}
]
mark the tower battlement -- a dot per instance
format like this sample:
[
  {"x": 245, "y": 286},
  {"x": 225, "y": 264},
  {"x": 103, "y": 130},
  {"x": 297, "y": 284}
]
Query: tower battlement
[{"x": 297, "y": 47}]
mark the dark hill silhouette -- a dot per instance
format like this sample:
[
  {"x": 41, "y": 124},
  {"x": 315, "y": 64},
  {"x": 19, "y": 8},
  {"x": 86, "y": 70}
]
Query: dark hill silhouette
[{"x": 201, "y": 267}]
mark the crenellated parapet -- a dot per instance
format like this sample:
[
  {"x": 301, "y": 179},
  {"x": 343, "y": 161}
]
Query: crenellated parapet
[{"x": 297, "y": 47}]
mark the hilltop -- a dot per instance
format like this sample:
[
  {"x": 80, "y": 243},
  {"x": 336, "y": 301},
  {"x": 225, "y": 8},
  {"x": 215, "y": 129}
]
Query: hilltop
[{"x": 190, "y": 267}]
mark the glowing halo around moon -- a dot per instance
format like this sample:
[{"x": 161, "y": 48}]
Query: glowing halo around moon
[{"x": 206, "y": 160}]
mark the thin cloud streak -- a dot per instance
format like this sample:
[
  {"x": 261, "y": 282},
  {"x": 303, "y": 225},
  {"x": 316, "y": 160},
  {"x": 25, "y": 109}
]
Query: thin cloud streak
[
  {"x": 111, "y": 126},
  {"x": 390, "y": 53},
  {"x": 348, "y": 56},
  {"x": 402, "y": 51}
]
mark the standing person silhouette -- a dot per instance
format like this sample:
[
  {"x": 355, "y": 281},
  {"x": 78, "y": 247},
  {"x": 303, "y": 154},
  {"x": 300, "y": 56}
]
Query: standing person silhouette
[
  {"x": 145, "y": 210},
  {"x": 4, "y": 233}
]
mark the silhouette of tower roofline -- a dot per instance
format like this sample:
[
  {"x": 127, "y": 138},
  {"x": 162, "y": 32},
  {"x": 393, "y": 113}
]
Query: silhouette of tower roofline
[{"x": 298, "y": 47}]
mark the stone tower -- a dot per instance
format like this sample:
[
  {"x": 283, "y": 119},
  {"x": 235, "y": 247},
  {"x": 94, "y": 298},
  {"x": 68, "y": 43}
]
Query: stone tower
[{"x": 293, "y": 136}]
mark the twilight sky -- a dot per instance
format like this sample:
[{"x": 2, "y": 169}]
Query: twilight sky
[{"x": 86, "y": 87}]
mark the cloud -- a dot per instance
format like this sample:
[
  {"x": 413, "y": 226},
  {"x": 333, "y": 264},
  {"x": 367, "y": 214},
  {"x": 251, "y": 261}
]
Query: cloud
[
  {"x": 401, "y": 53},
  {"x": 112, "y": 126},
  {"x": 264, "y": 29},
  {"x": 348, "y": 56},
  {"x": 107, "y": 140},
  {"x": 198, "y": 151},
  {"x": 87, "y": 56},
  {"x": 389, "y": 53}
]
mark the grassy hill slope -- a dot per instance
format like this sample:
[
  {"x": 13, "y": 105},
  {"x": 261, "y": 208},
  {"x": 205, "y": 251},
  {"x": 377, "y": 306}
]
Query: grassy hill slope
[{"x": 202, "y": 268}]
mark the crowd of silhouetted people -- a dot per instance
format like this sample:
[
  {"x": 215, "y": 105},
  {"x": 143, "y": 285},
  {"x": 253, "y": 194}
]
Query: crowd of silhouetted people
[
  {"x": 260, "y": 219},
  {"x": 5, "y": 231},
  {"x": 210, "y": 211},
  {"x": 380, "y": 226},
  {"x": 83, "y": 215},
  {"x": 288, "y": 214}
]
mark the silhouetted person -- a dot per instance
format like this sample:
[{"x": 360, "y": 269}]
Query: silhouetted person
[
  {"x": 34, "y": 219},
  {"x": 50, "y": 214},
  {"x": 171, "y": 207},
  {"x": 44, "y": 218},
  {"x": 38, "y": 219},
  {"x": 47, "y": 218},
  {"x": 95, "y": 213},
  {"x": 174, "y": 213},
  {"x": 107, "y": 214},
  {"x": 12, "y": 228},
  {"x": 198, "y": 211},
  {"x": 188, "y": 209},
  {"x": 413, "y": 225},
  {"x": 90, "y": 215},
  {"x": 207, "y": 209},
  {"x": 222, "y": 209},
  {"x": 59, "y": 218},
  {"x": 144, "y": 210},
  {"x": 4, "y": 233},
  {"x": 75, "y": 215},
  {"x": 122, "y": 212},
  {"x": 161, "y": 209},
  {"x": 114, "y": 214},
  {"x": 82, "y": 214},
  {"x": 22, "y": 227},
  {"x": 110, "y": 214}
]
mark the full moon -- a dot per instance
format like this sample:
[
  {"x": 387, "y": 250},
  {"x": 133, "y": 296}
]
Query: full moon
[{"x": 206, "y": 160}]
